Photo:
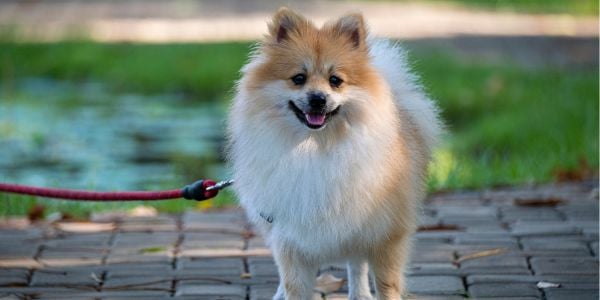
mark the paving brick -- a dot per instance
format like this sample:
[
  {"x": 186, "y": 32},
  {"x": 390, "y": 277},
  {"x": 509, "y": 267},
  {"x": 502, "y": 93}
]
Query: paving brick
[
  {"x": 263, "y": 292},
  {"x": 580, "y": 212},
  {"x": 232, "y": 222},
  {"x": 543, "y": 229},
  {"x": 504, "y": 290},
  {"x": 121, "y": 294},
  {"x": 27, "y": 292},
  {"x": 508, "y": 298},
  {"x": 13, "y": 276},
  {"x": 435, "y": 285},
  {"x": 504, "y": 278},
  {"x": 141, "y": 227},
  {"x": 436, "y": 236},
  {"x": 433, "y": 269},
  {"x": 212, "y": 241},
  {"x": 566, "y": 294},
  {"x": 263, "y": 269},
  {"x": 148, "y": 282},
  {"x": 136, "y": 269},
  {"x": 67, "y": 279},
  {"x": 13, "y": 281},
  {"x": 503, "y": 240},
  {"x": 79, "y": 241},
  {"x": 17, "y": 251},
  {"x": 256, "y": 242},
  {"x": 513, "y": 213},
  {"x": 145, "y": 239},
  {"x": 431, "y": 255},
  {"x": 447, "y": 211},
  {"x": 562, "y": 265},
  {"x": 554, "y": 244},
  {"x": 213, "y": 266},
  {"x": 191, "y": 288},
  {"x": 428, "y": 297},
  {"x": 60, "y": 258}
]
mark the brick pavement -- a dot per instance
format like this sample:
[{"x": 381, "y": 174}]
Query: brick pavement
[{"x": 494, "y": 244}]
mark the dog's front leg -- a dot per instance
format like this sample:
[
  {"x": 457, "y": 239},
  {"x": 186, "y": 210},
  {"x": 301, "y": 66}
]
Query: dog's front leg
[
  {"x": 296, "y": 274},
  {"x": 387, "y": 263},
  {"x": 358, "y": 280}
]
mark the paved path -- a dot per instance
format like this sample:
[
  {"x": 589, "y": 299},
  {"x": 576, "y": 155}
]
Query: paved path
[{"x": 496, "y": 244}]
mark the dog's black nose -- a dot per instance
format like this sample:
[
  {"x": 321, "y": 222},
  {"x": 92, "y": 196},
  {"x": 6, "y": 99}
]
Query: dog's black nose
[{"x": 317, "y": 100}]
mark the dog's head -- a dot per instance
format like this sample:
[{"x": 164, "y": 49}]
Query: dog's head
[{"x": 309, "y": 76}]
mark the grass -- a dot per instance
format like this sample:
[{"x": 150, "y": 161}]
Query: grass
[
  {"x": 507, "y": 125},
  {"x": 206, "y": 70},
  {"x": 575, "y": 7}
]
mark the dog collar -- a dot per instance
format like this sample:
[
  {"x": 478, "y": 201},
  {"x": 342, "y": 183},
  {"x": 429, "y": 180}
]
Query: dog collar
[{"x": 267, "y": 218}]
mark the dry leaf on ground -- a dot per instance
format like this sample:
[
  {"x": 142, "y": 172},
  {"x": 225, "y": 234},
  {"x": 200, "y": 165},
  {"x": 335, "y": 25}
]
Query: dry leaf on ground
[
  {"x": 481, "y": 254},
  {"x": 546, "y": 284},
  {"x": 327, "y": 283}
]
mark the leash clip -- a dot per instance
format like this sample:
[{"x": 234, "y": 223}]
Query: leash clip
[
  {"x": 204, "y": 189},
  {"x": 220, "y": 185}
]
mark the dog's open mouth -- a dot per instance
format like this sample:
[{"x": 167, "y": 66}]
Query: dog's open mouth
[{"x": 313, "y": 119}]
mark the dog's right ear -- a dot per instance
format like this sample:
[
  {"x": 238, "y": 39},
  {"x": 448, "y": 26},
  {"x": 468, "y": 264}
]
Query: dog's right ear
[{"x": 285, "y": 21}]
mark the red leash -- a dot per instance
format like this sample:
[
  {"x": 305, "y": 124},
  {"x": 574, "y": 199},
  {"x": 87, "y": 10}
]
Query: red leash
[{"x": 199, "y": 190}]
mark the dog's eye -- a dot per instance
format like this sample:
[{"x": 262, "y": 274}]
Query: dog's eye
[
  {"x": 299, "y": 79},
  {"x": 335, "y": 81}
]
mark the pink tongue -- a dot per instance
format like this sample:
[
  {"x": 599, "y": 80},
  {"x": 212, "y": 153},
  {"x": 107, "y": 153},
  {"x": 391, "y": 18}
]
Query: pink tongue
[{"x": 315, "y": 119}]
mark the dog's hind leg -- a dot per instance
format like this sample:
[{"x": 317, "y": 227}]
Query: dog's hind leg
[{"x": 358, "y": 280}]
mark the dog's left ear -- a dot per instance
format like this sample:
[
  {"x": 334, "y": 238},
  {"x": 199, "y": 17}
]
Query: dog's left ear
[
  {"x": 352, "y": 26},
  {"x": 286, "y": 22}
]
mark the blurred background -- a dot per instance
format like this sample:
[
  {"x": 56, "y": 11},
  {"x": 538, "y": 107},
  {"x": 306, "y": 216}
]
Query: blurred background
[{"x": 120, "y": 95}]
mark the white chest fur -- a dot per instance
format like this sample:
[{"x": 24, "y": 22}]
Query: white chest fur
[{"x": 319, "y": 199}]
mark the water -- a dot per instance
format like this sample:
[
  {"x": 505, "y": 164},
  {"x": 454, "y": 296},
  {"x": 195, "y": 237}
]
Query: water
[{"x": 61, "y": 134}]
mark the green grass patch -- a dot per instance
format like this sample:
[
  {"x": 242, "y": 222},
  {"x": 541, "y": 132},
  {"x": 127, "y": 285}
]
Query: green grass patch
[
  {"x": 510, "y": 125},
  {"x": 507, "y": 125},
  {"x": 206, "y": 71},
  {"x": 575, "y": 7}
]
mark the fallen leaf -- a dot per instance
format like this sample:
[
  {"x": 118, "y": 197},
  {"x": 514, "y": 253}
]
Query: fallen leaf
[
  {"x": 581, "y": 172},
  {"x": 36, "y": 212},
  {"x": 546, "y": 285},
  {"x": 143, "y": 211},
  {"x": 481, "y": 254},
  {"x": 95, "y": 277},
  {"x": 439, "y": 227},
  {"x": 327, "y": 283},
  {"x": 85, "y": 226},
  {"x": 152, "y": 250},
  {"x": 539, "y": 202}
]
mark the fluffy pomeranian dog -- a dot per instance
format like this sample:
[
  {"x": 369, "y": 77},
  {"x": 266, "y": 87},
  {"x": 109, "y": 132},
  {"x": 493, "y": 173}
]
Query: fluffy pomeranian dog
[{"x": 330, "y": 137}]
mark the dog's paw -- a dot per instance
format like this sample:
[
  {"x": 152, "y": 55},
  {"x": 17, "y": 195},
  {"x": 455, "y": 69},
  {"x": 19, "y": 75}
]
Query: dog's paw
[
  {"x": 280, "y": 294},
  {"x": 360, "y": 297}
]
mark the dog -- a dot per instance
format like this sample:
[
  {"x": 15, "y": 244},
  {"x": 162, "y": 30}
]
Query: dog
[{"x": 330, "y": 136}]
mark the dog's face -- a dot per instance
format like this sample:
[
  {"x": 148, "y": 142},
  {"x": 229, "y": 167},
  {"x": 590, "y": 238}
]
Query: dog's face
[{"x": 310, "y": 77}]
